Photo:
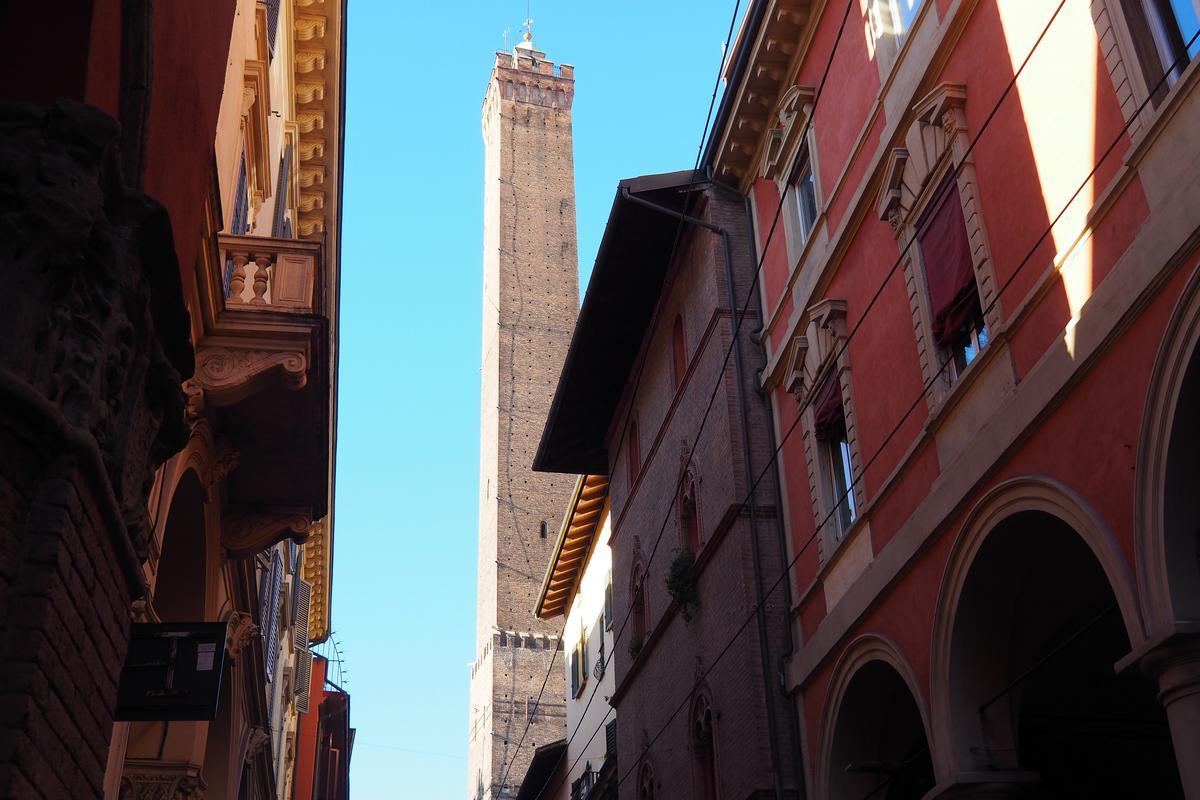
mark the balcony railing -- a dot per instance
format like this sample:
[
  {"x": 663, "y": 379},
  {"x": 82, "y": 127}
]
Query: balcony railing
[{"x": 263, "y": 273}]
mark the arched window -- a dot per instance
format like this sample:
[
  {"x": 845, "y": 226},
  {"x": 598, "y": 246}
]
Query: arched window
[
  {"x": 646, "y": 783},
  {"x": 633, "y": 452},
  {"x": 679, "y": 351},
  {"x": 704, "y": 750},
  {"x": 689, "y": 520}
]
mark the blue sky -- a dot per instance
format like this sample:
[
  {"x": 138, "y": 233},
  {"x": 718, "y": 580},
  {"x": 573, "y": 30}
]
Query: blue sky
[{"x": 407, "y": 472}]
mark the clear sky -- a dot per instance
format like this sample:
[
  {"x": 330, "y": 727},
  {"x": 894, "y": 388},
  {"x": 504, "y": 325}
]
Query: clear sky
[{"x": 407, "y": 467}]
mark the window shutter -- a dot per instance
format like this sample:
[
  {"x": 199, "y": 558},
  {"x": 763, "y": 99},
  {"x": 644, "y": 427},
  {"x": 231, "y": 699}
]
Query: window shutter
[
  {"x": 281, "y": 192},
  {"x": 303, "y": 595},
  {"x": 240, "y": 223},
  {"x": 304, "y": 660},
  {"x": 948, "y": 268},
  {"x": 610, "y": 739},
  {"x": 608, "y": 603},
  {"x": 829, "y": 418},
  {"x": 574, "y": 674},
  {"x": 272, "y": 24},
  {"x": 271, "y": 635}
]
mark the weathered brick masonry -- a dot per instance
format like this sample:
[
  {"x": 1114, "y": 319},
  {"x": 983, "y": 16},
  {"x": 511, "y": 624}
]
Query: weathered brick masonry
[
  {"x": 92, "y": 353},
  {"x": 531, "y": 298}
]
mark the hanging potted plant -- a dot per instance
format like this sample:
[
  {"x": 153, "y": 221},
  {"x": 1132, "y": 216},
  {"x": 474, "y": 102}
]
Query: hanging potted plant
[{"x": 681, "y": 583}]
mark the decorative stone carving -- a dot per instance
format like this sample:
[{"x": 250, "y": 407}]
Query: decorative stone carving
[
  {"x": 225, "y": 462},
  {"x": 95, "y": 323},
  {"x": 245, "y": 534},
  {"x": 228, "y": 374},
  {"x": 161, "y": 786},
  {"x": 257, "y": 739},
  {"x": 241, "y": 631}
]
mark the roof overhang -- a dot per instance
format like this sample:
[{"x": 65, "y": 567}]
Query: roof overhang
[
  {"x": 764, "y": 59},
  {"x": 541, "y": 769},
  {"x": 576, "y": 538},
  {"x": 622, "y": 295}
]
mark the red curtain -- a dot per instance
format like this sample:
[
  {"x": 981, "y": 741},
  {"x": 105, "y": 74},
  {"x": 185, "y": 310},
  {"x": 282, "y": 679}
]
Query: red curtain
[
  {"x": 948, "y": 270},
  {"x": 829, "y": 416}
]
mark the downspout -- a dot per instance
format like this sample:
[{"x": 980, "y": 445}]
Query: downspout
[
  {"x": 789, "y": 639},
  {"x": 761, "y": 613}
]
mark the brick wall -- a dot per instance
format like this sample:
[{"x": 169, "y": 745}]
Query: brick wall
[
  {"x": 531, "y": 299},
  {"x": 677, "y": 652}
]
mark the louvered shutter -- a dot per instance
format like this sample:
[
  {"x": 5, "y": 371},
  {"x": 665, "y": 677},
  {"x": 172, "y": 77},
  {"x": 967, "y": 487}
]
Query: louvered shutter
[
  {"x": 304, "y": 660},
  {"x": 271, "y": 635},
  {"x": 303, "y": 596},
  {"x": 610, "y": 739},
  {"x": 574, "y": 673},
  {"x": 272, "y": 24},
  {"x": 281, "y": 192}
]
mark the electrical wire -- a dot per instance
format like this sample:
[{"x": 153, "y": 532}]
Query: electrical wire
[
  {"x": 1108, "y": 151},
  {"x": 638, "y": 377}
]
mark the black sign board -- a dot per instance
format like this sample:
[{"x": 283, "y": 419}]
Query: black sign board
[{"x": 172, "y": 672}]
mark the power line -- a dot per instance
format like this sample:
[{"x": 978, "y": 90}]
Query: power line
[
  {"x": 712, "y": 398},
  {"x": 1108, "y": 151},
  {"x": 638, "y": 378}
]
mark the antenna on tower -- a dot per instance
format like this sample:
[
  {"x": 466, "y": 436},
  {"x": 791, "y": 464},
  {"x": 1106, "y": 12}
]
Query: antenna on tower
[{"x": 505, "y": 35}]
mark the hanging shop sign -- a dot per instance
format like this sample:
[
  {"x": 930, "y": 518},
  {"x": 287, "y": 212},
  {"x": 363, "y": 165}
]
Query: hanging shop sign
[{"x": 172, "y": 672}]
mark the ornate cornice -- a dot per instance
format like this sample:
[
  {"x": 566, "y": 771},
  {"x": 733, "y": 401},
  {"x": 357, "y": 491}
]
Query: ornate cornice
[
  {"x": 243, "y": 534},
  {"x": 317, "y": 560},
  {"x": 317, "y": 65}
]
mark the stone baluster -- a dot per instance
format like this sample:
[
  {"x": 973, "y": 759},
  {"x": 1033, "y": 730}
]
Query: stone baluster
[
  {"x": 261, "y": 278},
  {"x": 237, "y": 283}
]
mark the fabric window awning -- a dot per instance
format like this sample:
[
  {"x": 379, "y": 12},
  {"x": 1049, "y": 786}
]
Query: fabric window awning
[
  {"x": 948, "y": 267},
  {"x": 829, "y": 417}
]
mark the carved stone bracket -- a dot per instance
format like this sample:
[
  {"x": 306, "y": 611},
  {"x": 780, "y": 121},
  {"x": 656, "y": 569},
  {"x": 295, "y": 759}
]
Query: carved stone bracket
[
  {"x": 248, "y": 533},
  {"x": 169, "y": 782},
  {"x": 255, "y": 742},
  {"x": 230, "y": 374},
  {"x": 241, "y": 631}
]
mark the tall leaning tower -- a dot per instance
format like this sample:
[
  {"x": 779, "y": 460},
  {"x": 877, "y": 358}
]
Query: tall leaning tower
[{"x": 530, "y": 301}]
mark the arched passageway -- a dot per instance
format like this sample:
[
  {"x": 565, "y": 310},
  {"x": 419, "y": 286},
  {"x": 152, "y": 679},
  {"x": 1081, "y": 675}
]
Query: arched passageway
[
  {"x": 879, "y": 748},
  {"x": 1033, "y": 690}
]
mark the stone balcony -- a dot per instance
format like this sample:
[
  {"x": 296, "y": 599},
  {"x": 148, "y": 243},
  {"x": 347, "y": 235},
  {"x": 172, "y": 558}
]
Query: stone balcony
[
  {"x": 264, "y": 274},
  {"x": 265, "y": 374}
]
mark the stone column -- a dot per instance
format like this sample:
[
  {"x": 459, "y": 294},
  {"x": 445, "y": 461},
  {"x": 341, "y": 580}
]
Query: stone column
[
  {"x": 1176, "y": 667},
  {"x": 93, "y": 348}
]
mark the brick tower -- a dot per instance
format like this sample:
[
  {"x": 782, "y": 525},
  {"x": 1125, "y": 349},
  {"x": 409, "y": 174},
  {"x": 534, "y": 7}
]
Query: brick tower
[{"x": 530, "y": 301}]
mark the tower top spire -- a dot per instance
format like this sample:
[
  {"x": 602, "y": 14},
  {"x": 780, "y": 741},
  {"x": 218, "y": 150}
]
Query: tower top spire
[{"x": 527, "y": 40}]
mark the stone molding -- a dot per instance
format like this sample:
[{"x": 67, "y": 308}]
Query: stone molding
[{"x": 241, "y": 630}]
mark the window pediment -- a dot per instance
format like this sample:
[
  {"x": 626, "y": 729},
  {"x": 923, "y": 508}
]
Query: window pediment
[
  {"x": 938, "y": 131},
  {"x": 789, "y": 118}
]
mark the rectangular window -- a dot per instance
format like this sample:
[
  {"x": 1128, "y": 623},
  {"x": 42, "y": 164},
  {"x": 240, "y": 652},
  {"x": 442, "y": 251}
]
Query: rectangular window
[
  {"x": 904, "y": 13},
  {"x": 608, "y": 604},
  {"x": 829, "y": 417},
  {"x": 955, "y": 309},
  {"x": 1173, "y": 25},
  {"x": 804, "y": 196}
]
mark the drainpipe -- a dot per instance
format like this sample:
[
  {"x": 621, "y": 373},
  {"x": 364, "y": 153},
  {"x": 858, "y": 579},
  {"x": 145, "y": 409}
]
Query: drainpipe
[
  {"x": 789, "y": 640},
  {"x": 761, "y": 614}
]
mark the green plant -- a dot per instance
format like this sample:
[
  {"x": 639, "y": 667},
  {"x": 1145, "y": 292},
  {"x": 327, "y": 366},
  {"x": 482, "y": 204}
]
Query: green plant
[
  {"x": 635, "y": 644},
  {"x": 681, "y": 583}
]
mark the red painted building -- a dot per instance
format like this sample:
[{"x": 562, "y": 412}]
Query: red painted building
[
  {"x": 324, "y": 741},
  {"x": 977, "y": 228}
]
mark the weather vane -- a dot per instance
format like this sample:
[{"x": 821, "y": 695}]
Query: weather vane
[{"x": 528, "y": 23}]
